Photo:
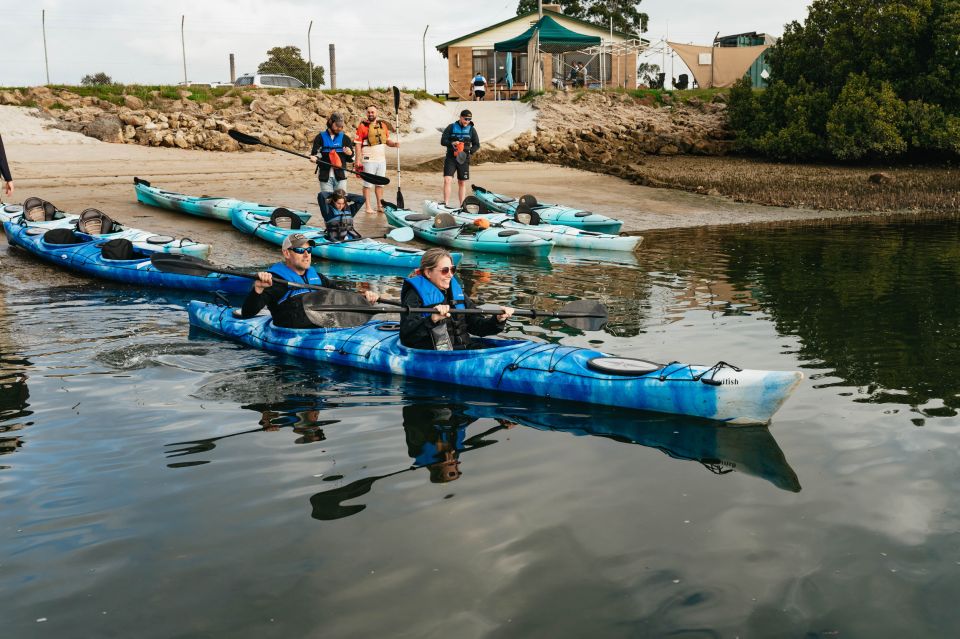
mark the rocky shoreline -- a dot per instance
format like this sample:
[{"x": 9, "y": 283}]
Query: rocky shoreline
[{"x": 289, "y": 118}]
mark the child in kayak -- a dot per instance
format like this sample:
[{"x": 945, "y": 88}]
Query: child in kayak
[
  {"x": 283, "y": 301},
  {"x": 338, "y": 210},
  {"x": 433, "y": 285}
]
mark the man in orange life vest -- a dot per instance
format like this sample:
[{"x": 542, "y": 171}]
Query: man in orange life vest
[{"x": 371, "y": 142}]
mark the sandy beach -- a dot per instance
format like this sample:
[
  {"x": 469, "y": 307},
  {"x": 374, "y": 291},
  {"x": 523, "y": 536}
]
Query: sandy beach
[{"x": 76, "y": 172}]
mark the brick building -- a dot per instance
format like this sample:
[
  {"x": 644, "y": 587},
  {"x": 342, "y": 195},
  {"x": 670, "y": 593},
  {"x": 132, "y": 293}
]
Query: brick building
[{"x": 474, "y": 53}]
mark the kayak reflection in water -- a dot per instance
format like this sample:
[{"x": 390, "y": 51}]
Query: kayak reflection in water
[
  {"x": 283, "y": 301},
  {"x": 434, "y": 285}
]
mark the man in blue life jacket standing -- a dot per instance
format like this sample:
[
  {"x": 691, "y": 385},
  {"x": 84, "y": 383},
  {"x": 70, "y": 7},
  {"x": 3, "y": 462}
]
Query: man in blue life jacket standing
[
  {"x": 282, "y": 300},
  {"x": 331, "y": 150},
  {"x": 461, "y": 141}
]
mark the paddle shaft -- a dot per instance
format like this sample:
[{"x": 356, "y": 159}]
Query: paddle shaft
[
  {"x": 400, "y": 308},
  {"x": 245, "y": 138}
]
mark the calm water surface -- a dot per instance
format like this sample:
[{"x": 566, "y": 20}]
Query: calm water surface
[{"x": 160, "y": 483}]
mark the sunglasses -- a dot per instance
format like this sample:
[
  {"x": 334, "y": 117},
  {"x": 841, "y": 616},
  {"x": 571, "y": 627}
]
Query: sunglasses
[
  {"x": 447, "y": 270},
  {"x": 466, "y": 118},
  {"x": 299, "y": 250}
]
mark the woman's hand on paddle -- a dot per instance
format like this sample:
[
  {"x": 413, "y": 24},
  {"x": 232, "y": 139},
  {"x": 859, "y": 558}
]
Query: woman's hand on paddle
[
  {"x": 372, "y": 297},
  {"x": 263, "y": 282},
  {"x": 443, "y": 312},
  {"x": 505, "y": 315}
]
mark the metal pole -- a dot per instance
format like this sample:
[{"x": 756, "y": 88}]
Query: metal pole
[
  {"x": 183, "y": 47},
  {"x": 310, "y": 53},
  {"x": 713, "y": 53},
  {"x": 43, "y": 22},
  {"x": 424, "y": 45},
  {"x": 333, "y": 67},
  {"x": 233, "y": 69}
]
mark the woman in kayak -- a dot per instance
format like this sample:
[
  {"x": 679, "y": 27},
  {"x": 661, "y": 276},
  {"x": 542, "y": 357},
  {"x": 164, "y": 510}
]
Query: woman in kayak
[
  {"x": 284, "y": 302},
  {"x": 433, "y": 285},
  {"x": 338, "y": 210}
]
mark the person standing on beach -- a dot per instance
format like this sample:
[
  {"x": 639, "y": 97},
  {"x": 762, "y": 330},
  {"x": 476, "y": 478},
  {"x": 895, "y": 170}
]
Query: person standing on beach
[
  {"x": 479, "y": 86},
  {"x": 461, "y": 141},
  {"x": 371, "y": 142},
  {"x": 334, "y": 149},
  {"x": 5, "y": 172}
]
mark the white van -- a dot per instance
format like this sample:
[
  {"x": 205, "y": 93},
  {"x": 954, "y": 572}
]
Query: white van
[{"x": 268, "y": 80}]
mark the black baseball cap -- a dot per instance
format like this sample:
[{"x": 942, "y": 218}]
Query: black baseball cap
[{"x": 466, "y": 113}]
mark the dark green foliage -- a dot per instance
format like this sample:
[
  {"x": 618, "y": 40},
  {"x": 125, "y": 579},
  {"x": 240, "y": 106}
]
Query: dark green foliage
[
  {"x": 96, "y": 79},
  {"x": 859, "y": 80},
  {"x": 288, "y": 61},
  {"x": 626, "y": 17}
]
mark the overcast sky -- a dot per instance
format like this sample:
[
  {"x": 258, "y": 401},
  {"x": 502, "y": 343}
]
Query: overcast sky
[{"x": 378, "y": 42}]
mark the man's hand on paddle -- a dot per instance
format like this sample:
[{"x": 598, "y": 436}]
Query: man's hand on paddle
[{"x": 263, "y": 282}]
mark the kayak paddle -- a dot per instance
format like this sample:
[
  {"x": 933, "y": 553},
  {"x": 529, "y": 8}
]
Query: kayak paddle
[
  {"x": 244, "y": 138},
  {"x": 399, "y": 234},
  {"x": 396, "y": 107},
  {"x": 586, "y": 315},
  {"x": 188, "y": 265}
]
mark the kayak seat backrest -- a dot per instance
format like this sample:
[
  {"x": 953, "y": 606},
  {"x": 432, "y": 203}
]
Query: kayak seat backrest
[
  {"x": 472, "y": 205},
  {"x": 96, "y": 222},
  {"x": 37, "y": 210},
  {"x": 62, "y": 236},
  {"x": 444, "y": 221},
  {"x": 508, "y": 233},
  {"x": 119, "y": 249},
  {"x": 529, "y": 201},
  {"x": 284, "y": 219},
  {"x": 416, "y": 217},
  {"x": 526, "y": 215}
]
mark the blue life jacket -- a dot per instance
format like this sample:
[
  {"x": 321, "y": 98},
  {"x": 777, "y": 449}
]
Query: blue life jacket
[
  {"x": 339, "y": 225},
  {"x": 280, "y": 269},
  {"x": 431, "y": 295},
  {"x": 331, "y": 144},
  {"x": 430, "y": 451},
  {"x": 461, "y": 133}
]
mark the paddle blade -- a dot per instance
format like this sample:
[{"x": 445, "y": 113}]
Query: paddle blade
[
  {"x": 396, "y": 99},
  {"x": 370, "y": 178},
  {"x": 181, "y": 264},
  {"x": 401, "y": 234},
  {"x": 594, "y": 315},
  {"x": 243, "y": 138},
  {"x": 400, "y": 199},
  {"x": 314, "y": 302}
]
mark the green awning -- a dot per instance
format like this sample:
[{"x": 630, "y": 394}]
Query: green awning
[{"x": 554, "y": 38}]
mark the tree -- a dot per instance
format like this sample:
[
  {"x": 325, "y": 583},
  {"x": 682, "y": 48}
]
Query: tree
[
  {"x": 288, "y": 61},
  {"x": 626, "y": 17},
  {"x": 647, "y": 73},
  {"x": 96, "y": 78}
]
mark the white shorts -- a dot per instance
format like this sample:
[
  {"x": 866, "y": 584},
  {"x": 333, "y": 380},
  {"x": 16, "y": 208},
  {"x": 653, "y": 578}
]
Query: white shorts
[{"x": 376, "y": 168}]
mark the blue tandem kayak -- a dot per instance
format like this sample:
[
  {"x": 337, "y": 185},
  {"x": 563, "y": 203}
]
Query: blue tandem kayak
[
  {"x": 87, "y": 258},
  {"x": 719, "y": 392}
]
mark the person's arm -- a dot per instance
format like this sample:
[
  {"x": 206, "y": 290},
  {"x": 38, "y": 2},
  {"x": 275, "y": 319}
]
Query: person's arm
[
  {"x": 5, "y": 171},
  {"x": 256, "y": 301},
  {"x": 415, "y": 329},
  {"x": 391, "y": 142},
  {"x": 315, "y": 149},
  {"x": 445, "y": 138},
  {"x": 482, "y": 325},
  {"x": 347, "y": 154},
  {"x": 474, "y": 140},
  {"x": 358, "y": 149}
]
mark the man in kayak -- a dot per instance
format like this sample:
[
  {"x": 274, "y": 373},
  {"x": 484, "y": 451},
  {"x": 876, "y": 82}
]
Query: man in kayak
[
  {"x": 371, "y": 142},
  {"x": 433, "y": 285},
  {"x": 5, "y": 172},
  {"x": 285, "y": 307},
  {"x": 461, "y": 141},
  {"x": 338, "y": 211},
  {"x": 334, "y": 149}
]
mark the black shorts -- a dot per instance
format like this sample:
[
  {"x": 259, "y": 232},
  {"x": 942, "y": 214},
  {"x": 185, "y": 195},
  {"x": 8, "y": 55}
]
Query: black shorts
[
  {"x": 451, "y": 166},
  {"x": 479, "y": 93}
]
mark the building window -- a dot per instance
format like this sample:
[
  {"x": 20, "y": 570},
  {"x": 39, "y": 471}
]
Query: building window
[{"x": 483, "y": 62}]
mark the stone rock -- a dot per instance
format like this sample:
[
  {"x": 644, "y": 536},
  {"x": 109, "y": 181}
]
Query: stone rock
[
  {"x": 184, "y": 94},
  {"x": 668, "y": 149},
  {"x": 129, "y": 132},
  {"x": 106, "y": 128},
  {"x": 881, "y": 178},
  {"x": 10, "y": 98},
  {"x": 132, "y": 102},
  {"x": 290, "y": 117}
]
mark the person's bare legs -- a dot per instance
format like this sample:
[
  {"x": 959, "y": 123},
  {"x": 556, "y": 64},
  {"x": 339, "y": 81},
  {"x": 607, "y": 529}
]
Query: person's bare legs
[
  {"x": 366, "y": 200},
  {"x": 462, "y": 190},
  {"x": 447, "y": 183},
  {"x": 379, "y": 192}
]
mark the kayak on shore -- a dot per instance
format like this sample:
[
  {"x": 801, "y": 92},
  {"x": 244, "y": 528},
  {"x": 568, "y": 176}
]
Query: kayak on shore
[
  {"x": 561, "y": 236},
  {"x": 46, "y": 216},
  {"x": 549, "y": 213},
  {"x": 126, "y": 264},
  {"x": 217, "y": 208},
  {"x": 363, "y": 251},
  {"x": 467, "y": 236},
  {"x": 720, "y": 392}
]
